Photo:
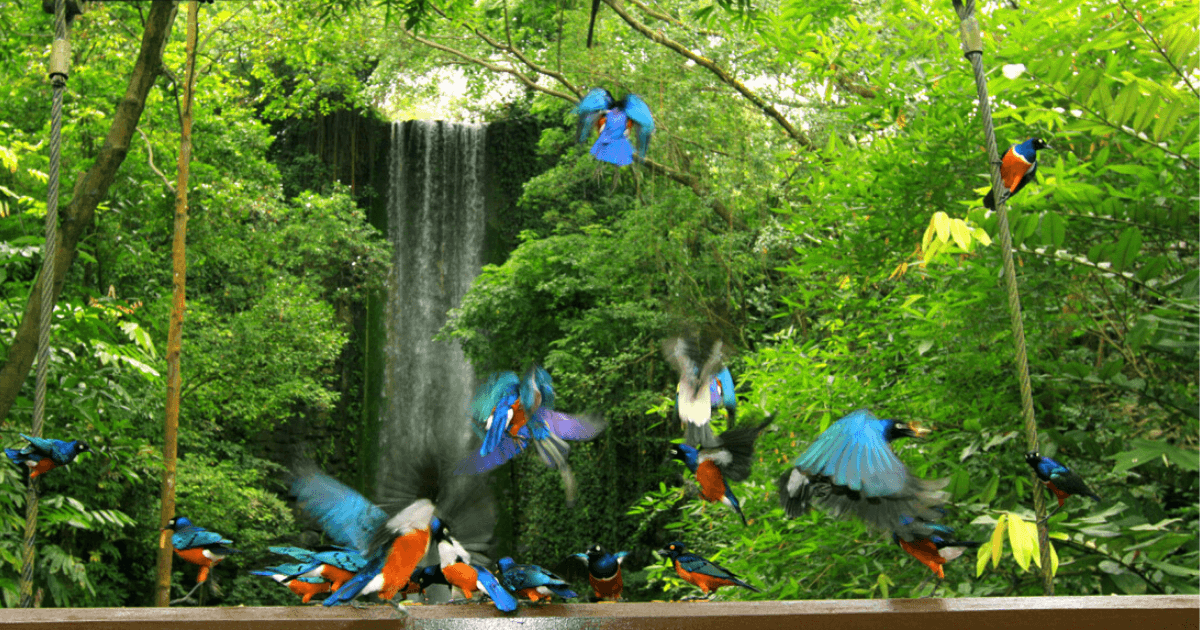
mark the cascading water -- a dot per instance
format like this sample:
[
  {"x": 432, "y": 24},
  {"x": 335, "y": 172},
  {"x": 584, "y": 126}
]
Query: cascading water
[{"x": 436, "y": 219}]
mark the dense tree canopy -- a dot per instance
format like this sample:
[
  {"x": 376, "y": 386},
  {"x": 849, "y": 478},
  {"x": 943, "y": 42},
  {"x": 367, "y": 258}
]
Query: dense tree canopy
[{"x": 812, "y": 195}]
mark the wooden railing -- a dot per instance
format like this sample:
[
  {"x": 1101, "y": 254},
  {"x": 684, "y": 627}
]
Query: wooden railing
[{"x": 995, "y": 613}]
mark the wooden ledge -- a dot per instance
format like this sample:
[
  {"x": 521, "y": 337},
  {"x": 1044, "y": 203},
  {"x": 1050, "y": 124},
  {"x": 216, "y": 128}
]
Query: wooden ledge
[{"x": 999, "y": 613}]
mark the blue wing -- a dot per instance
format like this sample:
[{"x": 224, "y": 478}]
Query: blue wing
[
  {"x": 493, "y": 398},
  {"x": 637, "y": 111},
  {"x": 279, "y": 569},
  {"x": 355, "y": 585},
  {"x": 537, "y": 390},
  {"x": 569, "y": 427},
  {"x": 303, "y": 555},
  {"x": 348, "y": 560},
  {"x": 345, "y": 515},
  {"x": 193, "y": 537},
  {"x": 853, "y": 453},
  {"x": 508, "y": 448},
  {"x": 590, "y": 109},
  {"x": 721, "y": 392},
  {"x": 504, "y": 600}
]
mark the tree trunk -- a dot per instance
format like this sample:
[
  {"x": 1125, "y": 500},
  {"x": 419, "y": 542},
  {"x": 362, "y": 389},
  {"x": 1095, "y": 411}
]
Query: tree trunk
[
  {"x": 80, "y": 213},
  {"x": 162, "y": 590}
]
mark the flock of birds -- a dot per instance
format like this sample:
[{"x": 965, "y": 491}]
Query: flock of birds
[{"x": 849, "y": 470}]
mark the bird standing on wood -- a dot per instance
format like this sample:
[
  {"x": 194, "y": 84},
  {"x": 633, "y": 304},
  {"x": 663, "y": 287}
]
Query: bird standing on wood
[
  {"x": 1018, "y": 167},
  {"x": 613, "y": 118},
  {"x": 457, "y": 570},
  {"x": 728, "y": 460},
  {"x": 533, "y": 581},
  {"x": 1062, "y": 481},
  {"x": 703, "y": 573},
  {"x": 604, "y": 572},
  {"x": 198, "y": 546},
  {"x": 305, "y": 587},
  {"x": 851, "y": 469},
  {"x": 42, "y": 455},
  {"x": 338, "y": 565}
]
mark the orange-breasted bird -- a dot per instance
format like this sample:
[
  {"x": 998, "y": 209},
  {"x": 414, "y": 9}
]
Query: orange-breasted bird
[
  {"x": 697, "y": 570},
  {"x": 42, "y": 455},
  {"x": 1018, "y": 167},
  {"x": 198, "y": 546}
]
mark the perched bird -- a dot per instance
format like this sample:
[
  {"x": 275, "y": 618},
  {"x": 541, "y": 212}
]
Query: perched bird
[
  {"x": 613, "y": 118},
  {"x": 1062, "y": 481},
  {"x": 1018, "y": 167},
  {"x": 338, "y": 565},
  {"x": 42, "y": 455},
  {"x": 198, "y": 546},
  {"x": 936, "y": 549},
  {"x": 604, "y": 571},
  {"x": 694, "y": 395},
  {"x": 729, "y": 460},
  {"x": 528, "y": 418},
  {"x": 305, "y": 587},
  {"x": 533, "y": 581},
  {"x": 707, "y": 575},
  {"x": 454, "y": 563},
  {"x": 851, "y": 469},
  {"x": 392, "y": 546}
]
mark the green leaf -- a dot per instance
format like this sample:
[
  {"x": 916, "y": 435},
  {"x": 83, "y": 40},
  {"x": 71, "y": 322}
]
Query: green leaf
[
  {"x": 998, "y": 539},
  {"x": 1054, "y": 229},
  {"x": 1127, "y": 248},
  {"x": 1145, "y": 451}
]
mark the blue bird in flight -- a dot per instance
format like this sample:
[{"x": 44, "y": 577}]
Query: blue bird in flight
[
  {"x": 613, "y": 118},
  {"x": 851, "y": 469},
  {"x": 729, "y": 460},
  {"x": 699, "y": 376},
  {"x": 936, "y": 548}
]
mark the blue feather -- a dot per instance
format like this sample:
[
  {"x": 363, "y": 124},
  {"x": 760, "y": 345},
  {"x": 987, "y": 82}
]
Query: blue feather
[
  {"x": 503, "y": 599},
  {"x": 345, "y": 515},
  {"x": 639, "y": 113}
]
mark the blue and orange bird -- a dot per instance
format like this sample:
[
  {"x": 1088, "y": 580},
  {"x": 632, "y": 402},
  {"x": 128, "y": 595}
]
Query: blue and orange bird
[
  {"x": 198, "y": 546},
  {"x": 701, "y": 572},
  {"x": 510, "y": 414},
  {"x": 459, "y": 571},
  {"x": 392, "y": 546},
  {"x": 695, "y": 397},
  {"x": 1062, "y": 481},
  {"x": 42, "y": 455},
  {"x": 852, "y": 469},
  {"x": 338, "y": 565},
  {"x": 305, "y": 587},
  {"x": 1018, "y": 167},
  {"x": 935, "y": 549},
  {"x": 613, "y": 118},
  {"x": 729, "y": 460},
  {"x": 604, "y": 572},
  {"x": 532, "y": 581}
]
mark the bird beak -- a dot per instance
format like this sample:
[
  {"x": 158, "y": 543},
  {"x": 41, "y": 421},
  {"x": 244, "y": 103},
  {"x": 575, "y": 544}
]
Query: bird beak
[{"x": 918, "y": 430}]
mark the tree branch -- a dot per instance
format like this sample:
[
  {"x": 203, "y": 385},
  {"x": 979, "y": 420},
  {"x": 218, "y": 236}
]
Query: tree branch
[
  {"x": 704, "y": 62},
  {"x": 150, "y": 161},
  {"x": 670, "y": 19},
  {"x": 1157, "y": 46}
]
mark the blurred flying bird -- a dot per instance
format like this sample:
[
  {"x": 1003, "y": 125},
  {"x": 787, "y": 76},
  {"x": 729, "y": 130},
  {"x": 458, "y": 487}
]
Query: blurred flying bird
[
  {"x": 695, "y": 569},
  {"x": 305, "y": 587},
  {"x": 694, "y": 398},
  {"x": 613, "y": 118},
  {"x": 604, "y": 572},
  {"x": 851, "y": 469},
  {"x": 198, "y": 546},
  {"x": 533, "y": 581},
  {"x": 392, "y": 546},
  {"x": 1018, "y": 167},
  {"x": 42, "y": 455},
  {"x": 715, "y": 467},
  {"x": 528, "y": 418},
  {"x": 1062, "y": 481}
]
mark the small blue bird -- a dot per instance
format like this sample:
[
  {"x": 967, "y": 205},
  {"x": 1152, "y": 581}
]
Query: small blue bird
[
  {"x": 1018, "y": 167},
  {"x": 392, "y": 546},
  {"x": 701, "y": 572},
  {"x": 604, "y": 572},
  {"x": 694, "y": 399},
  {"x": 1062, "y": 481},
  {"x": 338, "y": 565},
  {"x": 935, "y": 549},
  {"x": 533, "y": 581},
  {"x": 305, "y": 587},
  {"x": 851, "y": 469},
  {"x": 528, "y": 419},
  {"x": 198, "y": 546},
  {"x": 613, "y": 118},
  {"x": 729, "y": 460},
  {"x": 42, "y": 455}
]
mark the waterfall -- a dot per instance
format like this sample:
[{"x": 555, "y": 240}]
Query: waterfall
[{"x": 436, "y": 219}]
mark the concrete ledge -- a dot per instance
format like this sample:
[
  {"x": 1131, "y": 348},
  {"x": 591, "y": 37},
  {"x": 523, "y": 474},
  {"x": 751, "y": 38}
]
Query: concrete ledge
[{"x": 999, "y": 613}]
